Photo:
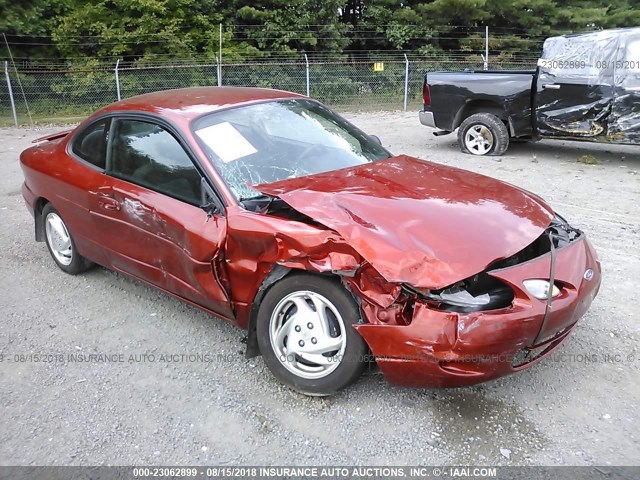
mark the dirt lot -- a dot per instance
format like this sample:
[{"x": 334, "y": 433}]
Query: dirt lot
[{"x": 575, "y": 409}]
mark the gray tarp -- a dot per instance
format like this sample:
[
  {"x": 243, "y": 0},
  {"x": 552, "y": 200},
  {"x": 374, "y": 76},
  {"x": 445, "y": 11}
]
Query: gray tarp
[{"x": 608, "y": 63}]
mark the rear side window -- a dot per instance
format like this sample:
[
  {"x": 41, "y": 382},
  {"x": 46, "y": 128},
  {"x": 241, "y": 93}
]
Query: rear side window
[
  {"x": 148, "y": 155},
  {"x": 91, "y": 144}
]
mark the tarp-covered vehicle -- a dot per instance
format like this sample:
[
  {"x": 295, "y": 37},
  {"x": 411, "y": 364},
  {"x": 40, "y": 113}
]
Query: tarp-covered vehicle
[{"x": 586, "y": 87}]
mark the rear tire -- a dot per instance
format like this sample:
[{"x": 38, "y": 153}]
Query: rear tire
[
  {"x": 305, "y": 334},
  {"x": 60, "y": 243},
  {"x": 483, "y": 134}
]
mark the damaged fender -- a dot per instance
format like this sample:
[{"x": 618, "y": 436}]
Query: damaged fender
[
  {"x": 256, "y": 259},
  {"x": 256, "y": 243}
]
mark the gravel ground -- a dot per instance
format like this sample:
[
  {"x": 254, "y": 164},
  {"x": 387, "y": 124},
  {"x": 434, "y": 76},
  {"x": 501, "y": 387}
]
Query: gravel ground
[{"x": 232, "y": 411}]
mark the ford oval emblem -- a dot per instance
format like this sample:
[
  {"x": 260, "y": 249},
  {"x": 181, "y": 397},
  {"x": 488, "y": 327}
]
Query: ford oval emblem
[{"x": 588, "y": 274}]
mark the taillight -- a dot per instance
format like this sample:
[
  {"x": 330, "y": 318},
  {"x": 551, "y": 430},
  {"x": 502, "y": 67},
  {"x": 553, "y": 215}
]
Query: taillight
[{"x": 426, "y": 94}]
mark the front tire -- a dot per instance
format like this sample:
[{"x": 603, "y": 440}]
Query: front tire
[
  {"x": 483, "y": 134},
  {"x": 305, "y": 334},
  {"x": 60, "y": 243}
]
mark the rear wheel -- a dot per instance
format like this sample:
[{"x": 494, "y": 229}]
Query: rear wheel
[
  {"x": 60, "y": 243},
  {"x": 305, "y": 334},
  {"x": 483, "y": 134}
]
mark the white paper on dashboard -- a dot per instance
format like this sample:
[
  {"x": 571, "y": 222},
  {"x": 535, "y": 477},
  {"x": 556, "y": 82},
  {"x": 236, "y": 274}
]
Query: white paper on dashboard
[{"x": 226, "y": 142}]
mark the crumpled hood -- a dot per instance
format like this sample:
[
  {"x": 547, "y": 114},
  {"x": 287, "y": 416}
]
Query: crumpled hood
[{"x": 418, "y": 222}]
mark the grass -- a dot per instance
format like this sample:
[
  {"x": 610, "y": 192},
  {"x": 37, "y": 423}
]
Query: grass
[{"x": 588, "y": 160}]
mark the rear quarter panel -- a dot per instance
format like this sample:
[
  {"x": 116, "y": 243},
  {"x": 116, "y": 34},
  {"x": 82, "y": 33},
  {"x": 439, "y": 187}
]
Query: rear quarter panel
[{"x": 52, "y": 175}]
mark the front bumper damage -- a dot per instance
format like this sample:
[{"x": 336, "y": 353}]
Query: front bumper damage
[{"x": 437, "y": 348}]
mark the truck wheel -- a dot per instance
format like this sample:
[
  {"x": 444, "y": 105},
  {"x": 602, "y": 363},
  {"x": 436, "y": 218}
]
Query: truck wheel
[{"x": 483, "y": 134}]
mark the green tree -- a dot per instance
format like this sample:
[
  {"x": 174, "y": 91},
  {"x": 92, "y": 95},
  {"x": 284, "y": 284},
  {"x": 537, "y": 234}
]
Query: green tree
[
  {"x": 27, "y": 25},
  {"x": 579, "y": 15},
  {"x": 136, "y": 28},
  {"x": 288, "y": 25}
]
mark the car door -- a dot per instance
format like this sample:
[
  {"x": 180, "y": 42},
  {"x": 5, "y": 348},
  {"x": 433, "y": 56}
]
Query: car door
[
  {"x": 85, "y": 174},
  {"x": 574, "y": 88},
  {"x": 148, "y": 215}
]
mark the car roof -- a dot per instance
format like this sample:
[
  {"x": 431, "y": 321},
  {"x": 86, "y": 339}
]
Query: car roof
[
  {"x": 596, "y": 33},
  {"x": 189, "y": 103}
]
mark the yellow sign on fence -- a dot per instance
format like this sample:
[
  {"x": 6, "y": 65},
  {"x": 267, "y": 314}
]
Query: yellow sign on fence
[{"x": 378, "y": 66}]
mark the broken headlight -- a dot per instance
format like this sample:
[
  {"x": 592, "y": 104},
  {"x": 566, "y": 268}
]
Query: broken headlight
[
  {"x": 540, "y": 288},
  {"x": 480, "y": 292}
]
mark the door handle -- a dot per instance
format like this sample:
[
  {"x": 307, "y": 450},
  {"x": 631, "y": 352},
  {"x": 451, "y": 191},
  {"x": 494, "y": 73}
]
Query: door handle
[
  {"x": 551, "y": 86},
  {"x": 108, "y": 203}
]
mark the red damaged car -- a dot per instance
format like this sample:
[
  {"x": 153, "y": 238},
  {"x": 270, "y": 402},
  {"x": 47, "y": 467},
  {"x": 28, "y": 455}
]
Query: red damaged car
[{"x": 267, "y": 209}]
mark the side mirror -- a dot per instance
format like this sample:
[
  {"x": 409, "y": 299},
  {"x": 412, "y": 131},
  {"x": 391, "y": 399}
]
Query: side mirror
[
  {"x": 208, "y": 200},
  {"x": 376, "y": 139}
]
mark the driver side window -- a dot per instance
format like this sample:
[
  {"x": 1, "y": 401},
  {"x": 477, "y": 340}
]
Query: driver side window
[{"x": 148, "y": 155}]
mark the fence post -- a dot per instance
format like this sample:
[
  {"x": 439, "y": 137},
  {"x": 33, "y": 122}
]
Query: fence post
[
  {"x": 486, "y": 47},
  {"x": 13, "y": 103},
  {"x": 406, "y": 81},
  {"x": 220, "y": 55},
  {"x": 117, "y": 79},
  {"x": 219, "y": 71},
  {"x": 306, "y": 61}
]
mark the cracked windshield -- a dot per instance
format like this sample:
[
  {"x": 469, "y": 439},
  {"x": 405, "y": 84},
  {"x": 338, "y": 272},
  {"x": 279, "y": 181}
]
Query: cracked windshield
[{"x": 267, "y": 142}]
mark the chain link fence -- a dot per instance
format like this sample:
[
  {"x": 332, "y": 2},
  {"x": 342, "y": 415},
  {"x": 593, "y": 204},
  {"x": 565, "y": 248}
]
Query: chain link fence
[{"x": 43, "y": 93}]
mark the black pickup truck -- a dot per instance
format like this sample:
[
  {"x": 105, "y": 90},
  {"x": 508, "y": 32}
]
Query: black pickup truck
[{"x": 586, "y": 87}]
